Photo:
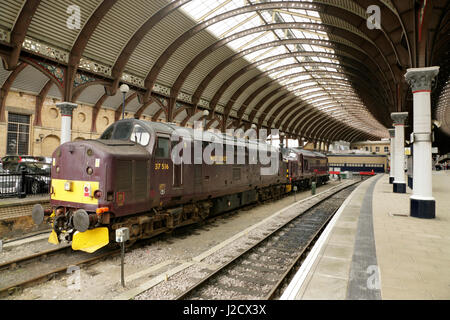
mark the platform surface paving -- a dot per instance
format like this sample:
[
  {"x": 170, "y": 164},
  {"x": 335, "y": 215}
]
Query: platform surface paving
[{"x": 375, "y": 250}]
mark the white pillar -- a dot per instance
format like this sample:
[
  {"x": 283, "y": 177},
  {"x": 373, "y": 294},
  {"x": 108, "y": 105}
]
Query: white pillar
[
  {"x": 66, "y": 109},
  {"x": 423, "y": 205},
  {"x": 392, "y": 153},
  {"x": 399, "y": 149}
]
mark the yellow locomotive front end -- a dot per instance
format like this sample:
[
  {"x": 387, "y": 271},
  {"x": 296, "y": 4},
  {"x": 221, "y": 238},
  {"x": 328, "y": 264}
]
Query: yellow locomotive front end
[{"x": 88, "y": 190}]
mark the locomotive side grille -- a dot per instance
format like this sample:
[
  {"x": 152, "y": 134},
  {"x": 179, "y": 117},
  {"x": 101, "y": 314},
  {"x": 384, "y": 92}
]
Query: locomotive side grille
[
  {"x": 236, "y": 174},
  {"x": 140, "y": 188},
  {"x": 198, "y": 174},
  {"x": 124, "y": 176}
]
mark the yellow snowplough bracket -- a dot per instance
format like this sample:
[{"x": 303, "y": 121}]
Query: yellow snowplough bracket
[
  {"x": 90, "y": 240},
  {"x": 53, "y": 239}
]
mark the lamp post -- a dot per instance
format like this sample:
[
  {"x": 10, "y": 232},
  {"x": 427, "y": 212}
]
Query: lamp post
[{"x": 124, "y": 89}]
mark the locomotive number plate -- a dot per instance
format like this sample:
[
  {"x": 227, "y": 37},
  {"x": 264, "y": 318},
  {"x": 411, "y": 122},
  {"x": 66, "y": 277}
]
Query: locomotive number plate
[{"x": 161, "y": 166}]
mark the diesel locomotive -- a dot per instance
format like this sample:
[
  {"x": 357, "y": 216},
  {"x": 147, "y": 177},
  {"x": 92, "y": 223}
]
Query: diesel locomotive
[{"x": 129, "y": 178}]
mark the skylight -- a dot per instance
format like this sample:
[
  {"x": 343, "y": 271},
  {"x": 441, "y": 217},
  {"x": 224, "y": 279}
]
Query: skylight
[{"x": 303, "y": 48}]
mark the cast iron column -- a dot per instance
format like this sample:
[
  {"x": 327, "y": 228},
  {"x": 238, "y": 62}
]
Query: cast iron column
[
  {"x": 423, "y": 205},
  {"x": 66, "y": 109},
  {"x": 399, "y": 174},
  {"x": 392, "y": 162}
]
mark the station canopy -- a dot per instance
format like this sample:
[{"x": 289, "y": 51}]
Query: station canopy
[{"x": 321, "y": 70}]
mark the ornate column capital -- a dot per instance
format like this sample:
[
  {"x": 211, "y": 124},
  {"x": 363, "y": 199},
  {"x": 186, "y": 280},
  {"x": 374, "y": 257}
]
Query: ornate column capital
[
  {"x": 420, "y": 79},
  {"x": 399, "y": 117},
  {"x": 392, "y": 133},
  {"x": 66, "y": 108}
]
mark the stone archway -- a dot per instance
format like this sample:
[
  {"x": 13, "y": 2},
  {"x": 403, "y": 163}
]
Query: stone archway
[{"x": 49, "y": 145}]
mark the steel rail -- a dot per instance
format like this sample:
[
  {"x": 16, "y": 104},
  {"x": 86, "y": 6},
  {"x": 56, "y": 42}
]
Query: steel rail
[
  {"x": 293, "y": 267},
  {"x": 223, "y": 268},
  {"x": 17, "y": 287}
]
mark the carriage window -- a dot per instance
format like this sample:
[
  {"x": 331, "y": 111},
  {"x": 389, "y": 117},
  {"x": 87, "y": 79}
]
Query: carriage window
[
  {"x": 163, "y": 148},
  {"x": 140, "y": 135}
]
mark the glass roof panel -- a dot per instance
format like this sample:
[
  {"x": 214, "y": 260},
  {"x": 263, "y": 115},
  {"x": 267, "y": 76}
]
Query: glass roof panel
[{"x": 355, "y": 115}]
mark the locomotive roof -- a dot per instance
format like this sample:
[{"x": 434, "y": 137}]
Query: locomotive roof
[
  {"x": 208, "y": 136},
  {"x": 309, "y": 153}
]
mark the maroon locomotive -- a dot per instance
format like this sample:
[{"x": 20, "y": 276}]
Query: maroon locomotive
[{"x": 130, "y": 178}]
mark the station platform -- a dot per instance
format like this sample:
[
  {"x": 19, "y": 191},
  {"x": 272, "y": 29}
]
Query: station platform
[{"x": 372, "y": 249}]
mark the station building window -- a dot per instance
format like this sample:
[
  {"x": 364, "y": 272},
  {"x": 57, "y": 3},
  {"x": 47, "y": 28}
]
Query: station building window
[
  {"x": 18, "y": 138},
  {"x": 386, "y": 149},
  {"x": 377, "y": 149}
]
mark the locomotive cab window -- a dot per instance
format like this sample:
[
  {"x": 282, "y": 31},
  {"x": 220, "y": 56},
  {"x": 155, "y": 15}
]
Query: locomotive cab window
[
  {"x": 107, "y": 135},
  {"x": 122, "y": 131},
  {"x": 118, "y": 131},
  {"x": 162, "y": 148},
  {"x": 140, "y": 135}
]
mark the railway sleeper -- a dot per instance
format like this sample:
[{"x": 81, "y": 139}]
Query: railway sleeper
[
  {"x": 256, "y": 265},
  {"x": 261, "y": 280},
  {"x": 255, "y": 292}
]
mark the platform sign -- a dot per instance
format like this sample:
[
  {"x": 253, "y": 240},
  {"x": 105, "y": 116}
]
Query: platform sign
[{"x": 434, "y": 150}]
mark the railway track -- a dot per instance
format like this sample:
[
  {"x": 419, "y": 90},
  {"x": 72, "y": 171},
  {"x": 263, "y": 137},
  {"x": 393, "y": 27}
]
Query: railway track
[
  {"x": 26, "y": 272},
  {"x": 261, "y": 271},
  {"x": 28, "y": 268}
]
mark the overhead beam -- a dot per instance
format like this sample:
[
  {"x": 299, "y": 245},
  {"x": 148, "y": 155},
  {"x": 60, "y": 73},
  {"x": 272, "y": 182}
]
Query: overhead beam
[
  {"x": 81, "y": 43},
  {"x": 96, "y": 110},
  {"x": 19, "y": 32},
  {"x": 6, "y": 87},
  {"x": 135, "y": 40},
  {"x": 162, "y": 60},
  {"x": 334, "y": 44},
  {"x": 40, "y": 99}
]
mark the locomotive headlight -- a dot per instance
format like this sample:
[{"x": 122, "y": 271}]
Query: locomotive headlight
[
  {"x": 90, "y": 171},
  {"x": 98, "y": 194},
  {"x": 68, "y": 186}
]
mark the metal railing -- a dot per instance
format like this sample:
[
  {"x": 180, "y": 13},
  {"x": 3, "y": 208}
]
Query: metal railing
[{"x": 22, "y": 185}]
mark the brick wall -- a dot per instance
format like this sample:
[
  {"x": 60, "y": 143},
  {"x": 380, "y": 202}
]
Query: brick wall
[{"x": 43, "y": 138}]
